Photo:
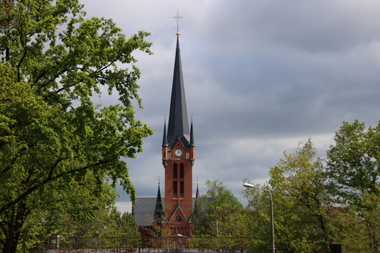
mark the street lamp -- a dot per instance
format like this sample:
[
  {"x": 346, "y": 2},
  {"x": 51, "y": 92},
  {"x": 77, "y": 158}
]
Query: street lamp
[
  {"x": 271, "y": 211},
  {"x": 178, "y": 238}
]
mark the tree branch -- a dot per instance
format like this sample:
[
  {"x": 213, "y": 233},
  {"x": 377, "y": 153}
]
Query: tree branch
[{"x": 47, "y": 180}]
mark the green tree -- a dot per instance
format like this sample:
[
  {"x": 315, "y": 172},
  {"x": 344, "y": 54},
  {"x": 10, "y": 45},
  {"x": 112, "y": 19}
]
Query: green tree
[
  {"x": 300, "y": 196},
  {"x": 358, "y": 228},
  {"x": 52, "y": 137},
  {"x": 353, "y": 162},
  {"x": 305, "y": 186},
  {"x": 260, "y": 217},
  {"x": 124, "y": 228},
  {"x": 73, "y": 211},
  {"x": 220, "y": 218},
  {"x": 353, "y": 166}
]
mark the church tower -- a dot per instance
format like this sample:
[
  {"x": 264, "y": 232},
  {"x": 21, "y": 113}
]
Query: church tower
[
  {"x": 178, "y": 156},
  {"x": 173, "y": 212}
]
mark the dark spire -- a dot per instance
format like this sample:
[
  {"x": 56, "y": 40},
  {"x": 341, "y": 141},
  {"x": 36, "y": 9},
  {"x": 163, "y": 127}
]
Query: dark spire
[
  {"x": 164, "y": 138},
  {"x": 192, "y": 144},
  {"x": 178, "y": 120},
  {"x": 197, "y": 192},
  {"x": 158, "y": 211},
  {"x": 195, "y": 209}
]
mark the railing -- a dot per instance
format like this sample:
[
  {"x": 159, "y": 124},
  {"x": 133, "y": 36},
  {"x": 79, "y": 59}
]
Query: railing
[{"x": 146, "y": 244}]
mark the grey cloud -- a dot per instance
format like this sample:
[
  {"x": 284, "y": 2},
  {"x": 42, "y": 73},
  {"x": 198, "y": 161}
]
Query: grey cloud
[{"x": 260, "y": 76}]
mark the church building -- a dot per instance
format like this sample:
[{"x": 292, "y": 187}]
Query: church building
[{"x": 173, "y": 212}]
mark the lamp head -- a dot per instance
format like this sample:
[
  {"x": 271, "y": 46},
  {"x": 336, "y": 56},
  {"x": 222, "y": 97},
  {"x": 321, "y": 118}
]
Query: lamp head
[{"x": 249, "y": 185}]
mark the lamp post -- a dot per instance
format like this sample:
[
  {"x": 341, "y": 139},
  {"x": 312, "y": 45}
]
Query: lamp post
[
  {"x": 179, "y": 236},
  {"x": 271, "y": 211}
]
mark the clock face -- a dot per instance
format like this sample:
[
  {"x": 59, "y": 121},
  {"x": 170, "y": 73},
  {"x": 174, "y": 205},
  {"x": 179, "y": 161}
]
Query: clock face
[
  {"x": 178, "y": 218},
  {"x": 178, "y": 152}
]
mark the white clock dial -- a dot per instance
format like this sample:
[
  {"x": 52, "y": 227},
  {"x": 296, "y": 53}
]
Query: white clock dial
[{"x": 178, "y": 152}]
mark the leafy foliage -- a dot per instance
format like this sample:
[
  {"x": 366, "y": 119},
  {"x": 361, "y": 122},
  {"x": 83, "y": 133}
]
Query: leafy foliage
[
  {"x": 298, "y": 186},
  {"x": 53, "y": 140},
  {"x": 219, "y": 214},
  {"x": 316, "y": 202},
  {"x": 353, "y": 164}
]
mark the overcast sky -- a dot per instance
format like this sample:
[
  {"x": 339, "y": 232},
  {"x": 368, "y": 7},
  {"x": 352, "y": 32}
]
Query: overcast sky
[{"x": 260, "y": 77}]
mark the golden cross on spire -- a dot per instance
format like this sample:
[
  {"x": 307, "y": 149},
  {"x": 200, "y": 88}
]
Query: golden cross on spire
[{"x": 177, "y": 17}]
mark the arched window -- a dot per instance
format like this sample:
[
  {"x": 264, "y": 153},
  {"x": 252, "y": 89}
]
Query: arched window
[
  {"x": 175, "y": 188},
  {"x": 181, "y": 188},
  {"x": 175, "y": 170},
  {"x": 181, "y": 171}
]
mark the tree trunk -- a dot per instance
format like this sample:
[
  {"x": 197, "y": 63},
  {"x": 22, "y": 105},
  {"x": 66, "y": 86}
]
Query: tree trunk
[
  {"x": 10, "y": 245},
  {"x": 12, "y": 228}
]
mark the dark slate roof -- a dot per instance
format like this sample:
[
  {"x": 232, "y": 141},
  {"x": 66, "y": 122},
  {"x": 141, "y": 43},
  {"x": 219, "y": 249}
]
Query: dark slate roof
[
  {"x": 178, "y": 121},
  {"x": 144, "y": 209}
]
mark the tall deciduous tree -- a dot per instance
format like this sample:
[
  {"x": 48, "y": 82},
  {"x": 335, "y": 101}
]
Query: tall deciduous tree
[
  {"x": 53, "y": 61},
  {"x": 358, "y": 227},
  {"x": 353, "y": 163},
  {"x": 220, "y": 218},
  {"x": 300, "y": 196},
  {"x": 299, "y": 180}
]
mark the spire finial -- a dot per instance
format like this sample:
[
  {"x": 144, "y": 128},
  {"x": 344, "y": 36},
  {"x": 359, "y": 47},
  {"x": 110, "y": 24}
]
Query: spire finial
[{"x": 177, "y": 18}]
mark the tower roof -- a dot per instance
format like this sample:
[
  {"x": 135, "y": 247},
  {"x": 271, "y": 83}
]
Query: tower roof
[
  {"x": 191, "y": 134},
  {"x": 178, "y": 121},
  {"x": 158, "y": 210},
  {"x": 164, "y": 138}
]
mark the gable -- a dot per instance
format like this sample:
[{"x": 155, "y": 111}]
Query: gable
[
  {"x": 178, "y": 215},
  {"x": 144, "y": 208}
]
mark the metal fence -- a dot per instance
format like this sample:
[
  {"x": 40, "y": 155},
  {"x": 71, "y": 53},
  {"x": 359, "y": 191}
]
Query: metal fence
[
  {"x": 141, "y": 251},
  {"x": 168, "y": 244}
]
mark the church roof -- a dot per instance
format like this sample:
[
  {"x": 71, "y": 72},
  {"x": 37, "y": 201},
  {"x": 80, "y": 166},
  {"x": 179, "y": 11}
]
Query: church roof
[
  {"x": 144, "y": 211},
  {"x": 178, "y": 121}
]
